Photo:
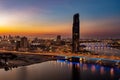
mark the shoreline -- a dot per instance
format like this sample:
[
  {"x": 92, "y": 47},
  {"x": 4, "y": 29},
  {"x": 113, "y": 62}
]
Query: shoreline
[
  {"x": 27, "y": 58},
  {"x": 65, "y": 54}
]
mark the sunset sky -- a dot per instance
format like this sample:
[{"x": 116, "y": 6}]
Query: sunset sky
[{"x": 98, "y": 18}]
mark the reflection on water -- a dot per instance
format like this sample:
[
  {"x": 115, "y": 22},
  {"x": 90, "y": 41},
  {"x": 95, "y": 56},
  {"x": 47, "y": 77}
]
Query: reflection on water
[
  {"x": 93, "y": 69},
  {"x": 75, "y": 72},
  {"x": 61, "y": 70},
  {"x": 102, "y": 71},
  {"x": 112, "y": 72},
  {"x": 22, "y": 73}
]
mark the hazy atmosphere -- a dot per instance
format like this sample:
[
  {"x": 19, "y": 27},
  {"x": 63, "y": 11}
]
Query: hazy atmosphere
[{"x": 52, "y": 17}]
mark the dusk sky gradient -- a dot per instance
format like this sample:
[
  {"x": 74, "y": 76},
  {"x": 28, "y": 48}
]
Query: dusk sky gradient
[{"x": 98, "y": 18}]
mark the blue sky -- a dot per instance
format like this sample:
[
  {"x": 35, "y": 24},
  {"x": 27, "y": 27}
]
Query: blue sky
[{"x": 97, "y": 17}]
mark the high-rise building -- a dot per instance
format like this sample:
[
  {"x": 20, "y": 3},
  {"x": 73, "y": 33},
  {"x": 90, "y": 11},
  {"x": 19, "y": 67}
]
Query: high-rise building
[
  {"x": 75, "y": 34},
  {"x": 17, "y": 45},
  {"x": 24, "y": 42},
  {"x": 58, "y": 38},
  {"x": 23, "y": 45}
]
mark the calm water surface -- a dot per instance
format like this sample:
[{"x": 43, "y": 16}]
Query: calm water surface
[{"x": 61, "y": 70}]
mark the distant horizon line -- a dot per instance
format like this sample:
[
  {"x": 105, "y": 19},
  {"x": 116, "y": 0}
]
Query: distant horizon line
[{"x": 55, "y": 35}]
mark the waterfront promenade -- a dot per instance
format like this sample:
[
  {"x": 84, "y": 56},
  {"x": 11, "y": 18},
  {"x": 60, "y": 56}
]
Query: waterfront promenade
[
  {"x": 27, "y": 58},
  {"x": 66, "y": 54}
]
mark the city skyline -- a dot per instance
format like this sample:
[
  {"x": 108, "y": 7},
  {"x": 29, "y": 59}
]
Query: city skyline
[{"x": 49, "y": 18}]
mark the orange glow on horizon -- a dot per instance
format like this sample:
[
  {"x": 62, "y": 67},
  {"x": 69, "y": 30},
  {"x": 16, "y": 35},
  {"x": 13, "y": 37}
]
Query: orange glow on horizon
[
  {"x": 35, "y": 30},
  {"x": 87, "y": 28}
]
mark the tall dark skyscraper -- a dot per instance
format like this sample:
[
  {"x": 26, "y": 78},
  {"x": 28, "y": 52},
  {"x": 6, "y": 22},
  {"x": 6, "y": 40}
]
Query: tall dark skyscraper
[
  {"x": 24, "y": 42},
  {"x": 58, "y": 38},
  {"x": 75, "y": 34}
]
